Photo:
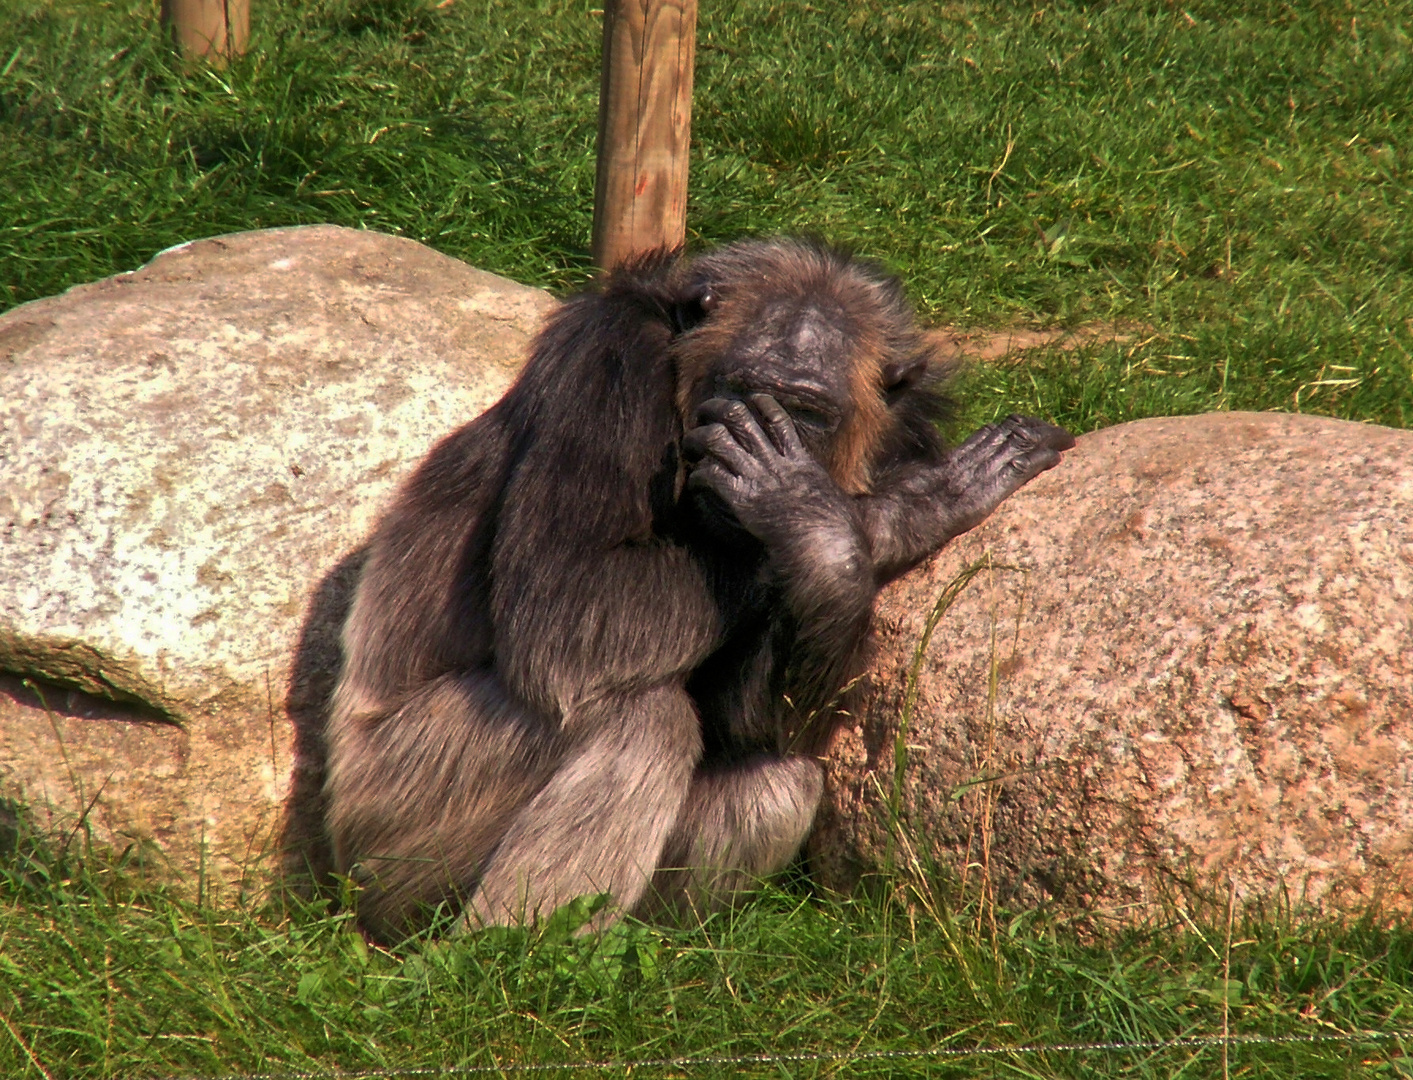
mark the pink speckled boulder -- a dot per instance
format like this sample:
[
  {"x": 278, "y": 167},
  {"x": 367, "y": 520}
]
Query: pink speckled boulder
[{"x": 1194, "y": 674}]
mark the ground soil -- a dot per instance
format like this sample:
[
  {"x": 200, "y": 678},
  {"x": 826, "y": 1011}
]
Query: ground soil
[{"x": 979, "y": 343}]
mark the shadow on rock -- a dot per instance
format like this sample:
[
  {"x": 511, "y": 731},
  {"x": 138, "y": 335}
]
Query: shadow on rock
[{"x": 306, "y": 856}]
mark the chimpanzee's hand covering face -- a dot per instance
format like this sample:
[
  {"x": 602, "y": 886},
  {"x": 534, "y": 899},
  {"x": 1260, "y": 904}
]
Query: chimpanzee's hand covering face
[{"x": 600, "y": 635}]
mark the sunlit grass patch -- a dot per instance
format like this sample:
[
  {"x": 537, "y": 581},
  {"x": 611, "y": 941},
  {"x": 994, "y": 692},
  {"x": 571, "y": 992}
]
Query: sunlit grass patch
[
  {"x": 102, "y": 975},
  {"x": 1235, "y": 177}
]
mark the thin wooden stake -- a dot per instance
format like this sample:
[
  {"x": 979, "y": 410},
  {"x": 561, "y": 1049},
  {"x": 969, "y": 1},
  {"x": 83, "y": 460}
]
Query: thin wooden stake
[
  {"x": 213, "y": 30},
  {"x": 645, "y": 124}
]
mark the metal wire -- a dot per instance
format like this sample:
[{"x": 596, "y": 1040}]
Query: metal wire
[{"x": 936, "y": 1052}]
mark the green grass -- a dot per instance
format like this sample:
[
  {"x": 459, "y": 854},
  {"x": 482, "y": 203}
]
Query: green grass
[
  {"x": 1231, "y": 181},
  {"x": 101, "y": 977}
]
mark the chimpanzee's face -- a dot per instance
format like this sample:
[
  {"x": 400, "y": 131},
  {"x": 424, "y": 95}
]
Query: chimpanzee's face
[{"x": 795, "y": 349}]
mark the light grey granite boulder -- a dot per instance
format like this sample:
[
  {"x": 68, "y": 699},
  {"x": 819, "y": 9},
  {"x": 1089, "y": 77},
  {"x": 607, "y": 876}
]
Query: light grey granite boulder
[
  {"x": 1189, "y": 668},
  {"x": 190, "y": 456}
]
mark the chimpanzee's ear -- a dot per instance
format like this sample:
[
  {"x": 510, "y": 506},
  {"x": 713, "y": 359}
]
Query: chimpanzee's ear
[
  {"x": 694, "y": 307},
  {"x": 900, "y": 375}
]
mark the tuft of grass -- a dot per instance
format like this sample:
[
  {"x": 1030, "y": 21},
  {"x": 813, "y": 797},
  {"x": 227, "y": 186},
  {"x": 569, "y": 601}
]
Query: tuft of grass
[{"x": 1231, "y": 180}]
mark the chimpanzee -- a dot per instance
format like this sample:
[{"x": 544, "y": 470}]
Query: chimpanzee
[{"x": 599, "y": 635}]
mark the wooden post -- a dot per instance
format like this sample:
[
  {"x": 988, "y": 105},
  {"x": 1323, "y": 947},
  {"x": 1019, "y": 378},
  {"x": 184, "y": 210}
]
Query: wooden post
[
  {"x": 645, "y": 125},
  {"x": 215, "y": 30}
]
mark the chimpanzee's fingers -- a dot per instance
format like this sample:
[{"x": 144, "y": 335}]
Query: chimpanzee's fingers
[
  {"x": 1016, "y": 433},
  {"x": 1026, "y": 447},
  {"x": 985, "y": 440},
  {"x": 711, "y": 475},
  {"x": 736, "y": 417},
  {"x": 1025, "y": 467},
  {"x": 712, "y": 410},
  {"x": 1041, "y": 433},
  {"x": 778, "y": 425},
  {"x": 713, "y": 443}
]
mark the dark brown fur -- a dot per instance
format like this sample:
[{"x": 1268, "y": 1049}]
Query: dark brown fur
[{"x": 599, "y": 632}]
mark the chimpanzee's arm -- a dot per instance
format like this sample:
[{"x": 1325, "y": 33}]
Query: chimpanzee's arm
[{"x": 919, "y": 507}]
